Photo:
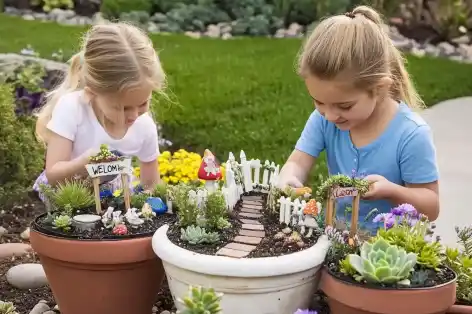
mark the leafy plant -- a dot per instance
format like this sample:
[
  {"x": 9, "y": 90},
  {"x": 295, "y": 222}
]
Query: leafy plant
[
  {"x": 22, "y": 156},
  {"x": 72, "y": 194},
  {"x": 198, "y": 235},
  {"x": 138, "y": 200},
  {"x": 202, "y": 301},
  {"x": 160, "y": 190},
  {"x": 7, "y": 308},
  {"x": 112, "y": 9},
  {"x": 341, "y": 180},
  {"x": 382, "y": 262},
  {"x": 48, "y": 5},
  {"x": 215, "y": 210},
  {"x": 62, "y": 222},
  {"x": 187, "y": 211},
  {"x": 104, "y": 155}
]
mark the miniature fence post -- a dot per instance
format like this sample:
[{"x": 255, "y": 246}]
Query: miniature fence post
[
  {"x": 265, "y": 175},
  {"x": 192, "y": 196},
  {"x": 256, "y": 164},
  {"x": 118, "y": 167},
  {"x": 355, "y": 215},
  {"x": 246, "y": 169},
  {"x": 295, "y": 208},
  {"x": 275, "y": 175}
]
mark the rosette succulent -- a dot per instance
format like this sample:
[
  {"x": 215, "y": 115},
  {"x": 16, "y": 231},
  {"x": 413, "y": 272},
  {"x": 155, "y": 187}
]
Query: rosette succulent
[{"x": 381, "y": 262}]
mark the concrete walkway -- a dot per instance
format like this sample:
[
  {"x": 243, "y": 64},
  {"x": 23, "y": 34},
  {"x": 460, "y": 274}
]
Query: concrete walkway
[{"x": 451, "y": 122}]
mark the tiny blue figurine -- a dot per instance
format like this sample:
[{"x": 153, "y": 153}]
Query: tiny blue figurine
[
  {"x": 157, "y": 205},
  {"x": 105, "y": 193}
]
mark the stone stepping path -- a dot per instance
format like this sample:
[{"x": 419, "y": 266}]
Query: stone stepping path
[{"x": 252, "y": 231}]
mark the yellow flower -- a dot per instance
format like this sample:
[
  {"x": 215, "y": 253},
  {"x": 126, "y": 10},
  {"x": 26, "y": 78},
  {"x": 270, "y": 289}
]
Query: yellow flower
[
  {"x": 117, "y": 193},
  {"x": 137, "y": 172}
]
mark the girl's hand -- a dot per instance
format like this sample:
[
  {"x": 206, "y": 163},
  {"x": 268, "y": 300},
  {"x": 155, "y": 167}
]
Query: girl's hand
[
  {"x": 380, "y": 187},
  {"x": 291, "y": 181}
]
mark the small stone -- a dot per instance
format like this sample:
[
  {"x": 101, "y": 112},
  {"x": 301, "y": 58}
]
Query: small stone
[
  {"x": 232, "y": 253},
  {"x": 249, "y": 221},
  {"x": 250, "y": 206},
  {"x": 279, "y": 236},
  {"x": 251, "y": 233},
  {"x": 3, "y": 231},
  {"x": 252, "y": 197},
  {"x": 213, "y": 31},
  {"x": 250, "y": 215},
  {"x": 50, "y": 312},
  {"x": 249, "y": 202},
  {"x": 247, "y": 240},
  {"x": 280, "y": 33},
  {"x": 250, "y": 210},
  {"x": 27, "y": 276},
  {"x": 40, "y": 308},
  {"x": 240, "y": 247},
  {"x": 154, "y": 309},
  {"x": 287, "y": 230},
  {"x": 195, "y": 35},
  {"x": 252, "y": 227},
  {"x": 13, "y": 249},
  {"x": 226, "y": 36},
  {"x": 25, "y": 235},
  {"x": 28, "y": 17},
  {"x": 56, "y": 307},
  {"x": 163, "y": 312},
  {"x": 301, "y": 244}
]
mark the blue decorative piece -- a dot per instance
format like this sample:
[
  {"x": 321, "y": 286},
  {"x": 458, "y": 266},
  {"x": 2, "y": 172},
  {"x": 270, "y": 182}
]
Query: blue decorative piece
[
  {"x": 105, "y": 193},
  {"x": 157, "y": 205}
]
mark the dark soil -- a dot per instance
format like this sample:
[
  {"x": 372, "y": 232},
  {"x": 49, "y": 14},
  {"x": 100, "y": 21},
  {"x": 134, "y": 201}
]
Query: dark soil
[
  {"x": 269, "y": 246},
  {"x": 433, "y": 278},
  {"x": 42, "y": 224}
]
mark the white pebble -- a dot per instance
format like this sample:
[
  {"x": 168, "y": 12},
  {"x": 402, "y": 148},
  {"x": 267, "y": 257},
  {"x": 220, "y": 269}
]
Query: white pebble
[
  {"x": 25, "y": 235},
  {"x": 3, "y": 231},
  {"x": 27, "y": 276},
  {"x": 40, "y": 308}
]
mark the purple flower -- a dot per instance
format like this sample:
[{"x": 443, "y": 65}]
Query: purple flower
[
  {"x": 300, "y": 311},
  {"x": 405, "y": 209},
  {"x": 388, "y": 219}
]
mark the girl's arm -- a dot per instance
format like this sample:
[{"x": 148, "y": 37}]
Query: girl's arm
[
  {"x": 295, "y": 171},
  {"x": 59, "y": 166},
  {"x": 149, "y": 174}
]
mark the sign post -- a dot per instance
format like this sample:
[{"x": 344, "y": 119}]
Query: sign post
[{"x": 340, "y": 192}]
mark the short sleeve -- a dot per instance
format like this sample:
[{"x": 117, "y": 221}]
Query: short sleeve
[
  {"x": 150, "y": 147},
  {"x": 65, "y": 117},
  {"x": 418, "y": 163},
  {"x": 312, "y": 140}
]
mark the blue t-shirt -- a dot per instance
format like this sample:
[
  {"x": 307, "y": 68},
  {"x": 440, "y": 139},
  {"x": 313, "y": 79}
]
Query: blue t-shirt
[{"x": 403, "y": 153}]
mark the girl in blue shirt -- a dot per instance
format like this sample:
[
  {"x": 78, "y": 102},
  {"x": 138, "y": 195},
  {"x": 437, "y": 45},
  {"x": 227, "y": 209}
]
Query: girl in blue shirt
[{"x": 363, "y": 117}]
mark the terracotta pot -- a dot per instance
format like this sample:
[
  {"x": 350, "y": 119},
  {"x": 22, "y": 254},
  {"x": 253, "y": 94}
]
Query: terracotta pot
[
  {"x": 349, "y": 298},
  {"x": 460, "y": 309},
  {"x": 100, "y": 277}
]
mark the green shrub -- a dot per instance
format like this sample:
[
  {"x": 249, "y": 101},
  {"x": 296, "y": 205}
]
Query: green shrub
[
  {"x": 21, "y": 156},
  {"x": 112, "y": 9}
]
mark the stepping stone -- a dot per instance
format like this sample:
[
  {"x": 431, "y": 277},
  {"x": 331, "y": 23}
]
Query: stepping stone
[
  {"x": 252, "y": 198},
  {"x": 249, "y": 221},
  {"x": 250, "y": 215},
  {"x": 253, "y": 227},
  {"x": 253, "y": 202},
  {"x": 259, "y": 206},
  {"x": 240, "y": 247},
  {"x": 250, "y": 210},
  {"x": 247, "y": 240},
  {"x": 232, "y": 253},
  {"x": 251, "y": 233}
]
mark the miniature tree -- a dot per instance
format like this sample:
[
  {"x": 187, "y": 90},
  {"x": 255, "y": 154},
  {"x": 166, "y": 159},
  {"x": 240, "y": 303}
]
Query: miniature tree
[
  {"x": 209, "y": 170},
  {"x": 105, "y": 163}
]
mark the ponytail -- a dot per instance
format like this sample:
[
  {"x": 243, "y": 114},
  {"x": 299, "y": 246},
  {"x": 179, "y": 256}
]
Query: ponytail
[{"x": 70, "y": 83}]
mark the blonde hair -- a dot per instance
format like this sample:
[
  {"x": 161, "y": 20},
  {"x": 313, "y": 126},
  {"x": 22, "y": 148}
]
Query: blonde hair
[
  {"x": 113, "y": 57},
  {"x": 356, "y": 43}
]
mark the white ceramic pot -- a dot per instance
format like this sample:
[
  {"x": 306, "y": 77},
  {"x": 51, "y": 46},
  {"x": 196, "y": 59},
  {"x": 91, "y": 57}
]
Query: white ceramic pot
[{"x": 269, "y": 285}]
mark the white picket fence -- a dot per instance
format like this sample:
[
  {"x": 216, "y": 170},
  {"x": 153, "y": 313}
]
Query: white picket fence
[
  {"x": 292, "y": 214},
  {"x": 250, "y": 180}
]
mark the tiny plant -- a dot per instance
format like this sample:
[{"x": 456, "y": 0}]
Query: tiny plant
[
  {"x": 340, "y": 180},
  {"x": 198, "y": 235},
  {"x": 216, "y": 211},
  {"x": 138, "y": 200},
  {"x": 62, "y": 222},
  {"x": 104, "y": 155},
  {"x": 7, "y": 308},
  {"x": 160, "y": 190},
  {"x": 188, "y": 211},
  {"x": 73, "y": 194},
  {"x": 202, "y": 301}
]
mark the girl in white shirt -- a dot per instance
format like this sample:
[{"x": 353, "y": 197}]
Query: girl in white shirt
[{"x": 104, "y": 99}]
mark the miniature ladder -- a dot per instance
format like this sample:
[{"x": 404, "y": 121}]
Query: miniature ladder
[{"x": 339, "y": 192}]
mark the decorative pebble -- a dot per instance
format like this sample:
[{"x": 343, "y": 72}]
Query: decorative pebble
[
  {"x": 165, "y": 312},
  {"x": 40, "y": 308},
  {"x": 287, "y": 230},
  {"x": 13, "y": 249},
  {"x": 50, "y": 312},
  {"x": 27, "y": 276},
  {"x": 25, "y": 235},
  {"x": 3, "y": 231}
]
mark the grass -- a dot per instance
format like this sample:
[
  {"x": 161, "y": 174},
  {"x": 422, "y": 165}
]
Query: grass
[{"x": 235, "y": 94}]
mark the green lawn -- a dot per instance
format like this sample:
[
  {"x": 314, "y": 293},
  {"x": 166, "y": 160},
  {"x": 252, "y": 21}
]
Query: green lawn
[{"x": 235, "y": 94}]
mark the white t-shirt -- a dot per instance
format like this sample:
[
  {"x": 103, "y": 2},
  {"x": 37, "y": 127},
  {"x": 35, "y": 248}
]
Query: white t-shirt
[{"x": 74, "y": 119}]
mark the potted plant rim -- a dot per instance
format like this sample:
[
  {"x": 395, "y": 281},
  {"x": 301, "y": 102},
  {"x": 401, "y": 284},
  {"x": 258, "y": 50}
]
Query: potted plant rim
[
  {"x": 263, "y": 256},
  {"x": 460, "y": 260},
  {"x": 400, "y": 270},
  {"x": 100, "y": 259}
]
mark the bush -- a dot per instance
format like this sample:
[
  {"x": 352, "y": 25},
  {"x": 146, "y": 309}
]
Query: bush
[
  {"x": 112, "y": 9},
  {"x": 21, "y": 155}
]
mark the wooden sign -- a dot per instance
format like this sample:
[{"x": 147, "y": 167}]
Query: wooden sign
[
  {"x": 340, "y": 192},
  {"x": 102, "y": 169}
]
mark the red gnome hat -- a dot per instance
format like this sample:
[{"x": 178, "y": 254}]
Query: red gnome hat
[{"x": 209, "y": 168}]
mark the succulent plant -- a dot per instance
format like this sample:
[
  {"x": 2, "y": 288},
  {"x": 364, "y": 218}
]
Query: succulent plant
[
  {"x": 62, "y": 222},
  {"x": 381, "y": 262},
  {"x": 198, "y": 235},
  {"x": 7, "y": 308},
  {"x": 202, "y": 301}
]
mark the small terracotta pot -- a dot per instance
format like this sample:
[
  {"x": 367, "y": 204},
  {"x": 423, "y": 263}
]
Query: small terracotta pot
[
  {"x": 349, "y": 298},
  {"x": 460, "y": 309},
  {"x": 100, "y": 277}
]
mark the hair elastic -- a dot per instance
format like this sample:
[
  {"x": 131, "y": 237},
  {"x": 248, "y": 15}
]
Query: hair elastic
[{"x": 350, "y": 14}]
